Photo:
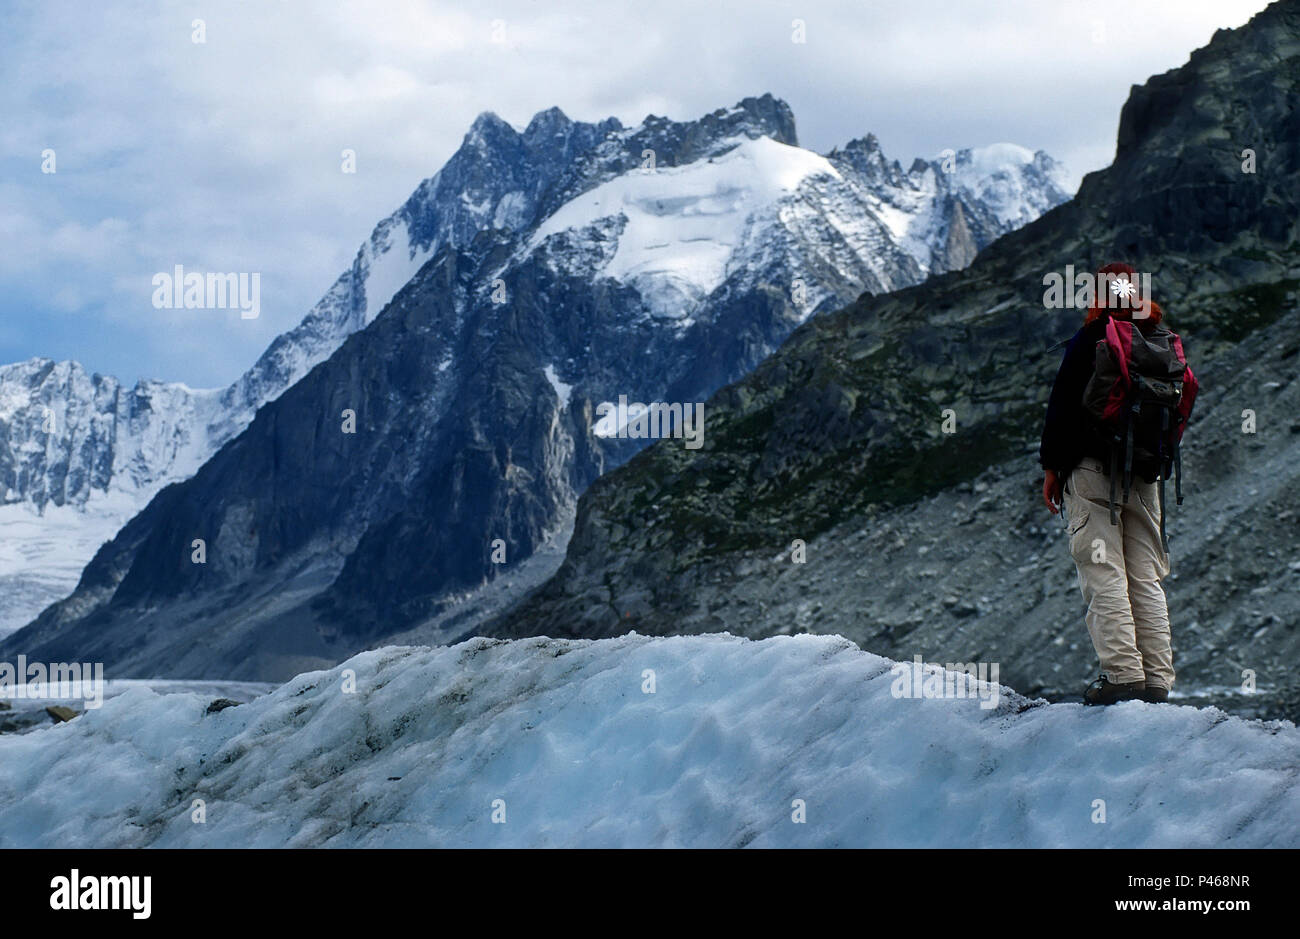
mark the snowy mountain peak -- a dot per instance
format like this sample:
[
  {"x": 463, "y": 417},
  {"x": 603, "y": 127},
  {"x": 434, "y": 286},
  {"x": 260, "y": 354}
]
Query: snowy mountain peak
[
  {"x": 751, "y": 208},
  {"x": 672, "y": 233},
  {"x": 1012, "y": 180},
  {"x": 868, "y": 144},
  {"x": 488, "y": 128},
  {"x": 763, "y": 116},
  {"x": 547, "y": 124},
  {"x": 868, "y": 159}
]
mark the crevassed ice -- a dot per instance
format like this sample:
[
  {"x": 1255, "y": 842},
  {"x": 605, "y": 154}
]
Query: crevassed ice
[{"x": 573, "y": 744}]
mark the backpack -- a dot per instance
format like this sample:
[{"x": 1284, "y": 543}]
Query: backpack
[{"x": 1140, "y": 397}]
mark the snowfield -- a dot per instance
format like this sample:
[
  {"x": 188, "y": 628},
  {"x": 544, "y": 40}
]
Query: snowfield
[
  {"x": 565, "y": 734},
  {"x": 684, "y": 224}
]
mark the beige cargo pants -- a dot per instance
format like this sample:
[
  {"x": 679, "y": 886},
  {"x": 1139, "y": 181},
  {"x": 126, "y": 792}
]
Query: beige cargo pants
[{"x": 1120, "y": 569}]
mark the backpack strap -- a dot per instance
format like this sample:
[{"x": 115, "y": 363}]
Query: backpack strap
[
  {"x": 1128, "y": 446},
  {"x": 1114, "y": 473},
  {"x": 1164, "y": 539},
  {"x": 1164, "y": 427},
  {"x": 1178, "y": 471}
]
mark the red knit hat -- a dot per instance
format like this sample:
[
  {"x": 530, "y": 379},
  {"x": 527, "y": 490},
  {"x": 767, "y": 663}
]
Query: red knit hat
[{"x": 1142, "y": 310}]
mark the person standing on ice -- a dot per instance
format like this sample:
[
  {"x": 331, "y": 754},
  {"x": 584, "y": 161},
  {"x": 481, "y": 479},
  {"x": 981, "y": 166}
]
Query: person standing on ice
[{"x": 1115, "y": 418}]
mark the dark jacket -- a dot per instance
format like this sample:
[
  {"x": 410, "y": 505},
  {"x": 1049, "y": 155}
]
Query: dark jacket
[{"x": 1068, "y": 434}]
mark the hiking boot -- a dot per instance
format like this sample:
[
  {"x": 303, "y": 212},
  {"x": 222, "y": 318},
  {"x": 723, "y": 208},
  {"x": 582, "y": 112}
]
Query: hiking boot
[
  {"x": 1154, "y": 694},
  {"x": 1104, "y": 691}
]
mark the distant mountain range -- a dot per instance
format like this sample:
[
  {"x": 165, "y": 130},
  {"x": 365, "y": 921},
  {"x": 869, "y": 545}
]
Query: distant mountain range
[{"x": 536, "y": 275}]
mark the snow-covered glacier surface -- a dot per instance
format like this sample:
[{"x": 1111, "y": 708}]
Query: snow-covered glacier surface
[{"x": 704, "y": 741}]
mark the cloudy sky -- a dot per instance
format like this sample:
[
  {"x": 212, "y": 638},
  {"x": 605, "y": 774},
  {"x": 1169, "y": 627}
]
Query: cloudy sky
[{"x": 225, "y": 155}]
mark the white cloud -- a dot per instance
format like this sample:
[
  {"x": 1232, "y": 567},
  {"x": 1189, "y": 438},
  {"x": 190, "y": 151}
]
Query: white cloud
[{"x": 226, "y": 155}]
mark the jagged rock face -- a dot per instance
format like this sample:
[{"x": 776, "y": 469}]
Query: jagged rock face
[
  {"x": 68, "y": 434},
  {"x": 556, "y": 271},
  {"x": 66, "y": 492},
  {"x": 40, "y": 395},
  {"x": 921, "y": 542}
]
